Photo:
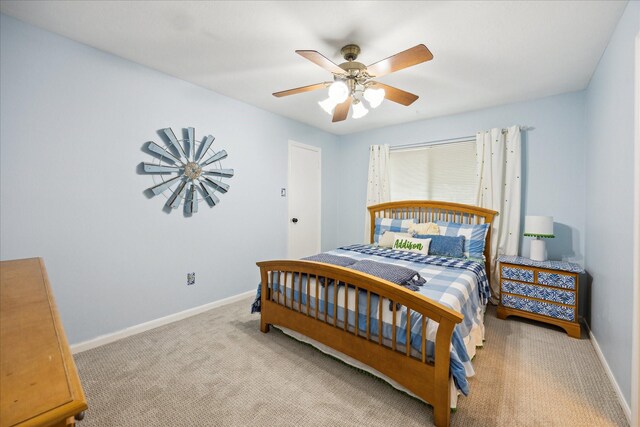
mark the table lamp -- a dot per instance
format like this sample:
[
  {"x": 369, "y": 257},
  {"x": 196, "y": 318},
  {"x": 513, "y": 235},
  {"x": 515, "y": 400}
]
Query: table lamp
[{"x": 539, "y": 227}]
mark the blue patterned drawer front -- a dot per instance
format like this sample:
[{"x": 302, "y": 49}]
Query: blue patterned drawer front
[
  {"x": 540, "y": 292},
  {"x": 538, "y": 307},
  {"x": 559, "y": 280},
  {"x": 515, "y": 273}
]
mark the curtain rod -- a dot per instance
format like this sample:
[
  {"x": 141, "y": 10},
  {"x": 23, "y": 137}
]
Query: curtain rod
[
  {"x": 429, "y": 143},
  {"x": 446, "y": 141}
]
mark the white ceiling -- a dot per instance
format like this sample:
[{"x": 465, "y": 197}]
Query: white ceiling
[{"x": 486, "y": 53}]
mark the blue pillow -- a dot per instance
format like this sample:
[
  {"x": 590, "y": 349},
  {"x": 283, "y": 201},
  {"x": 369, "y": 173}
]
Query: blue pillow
[
  {"x": 388, "y": 224},
  {"x": 474, "y": 236},
  {"x": 444, "y": 245}
]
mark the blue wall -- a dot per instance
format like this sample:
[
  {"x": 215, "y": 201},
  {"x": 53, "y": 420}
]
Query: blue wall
[
  {"x": 553, "y": 172},
  {"x": 73, "y": 121},
  {"x": 609, "y": 200}
]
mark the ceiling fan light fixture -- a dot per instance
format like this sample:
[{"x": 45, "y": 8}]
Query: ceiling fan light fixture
[
  {"x": 327, "y": 105},
  {"x": 338, "y": 92},
  {"x": 374, "y": 96},
  {"x": 353, "y": 82},
  {"x": 359, "y": 110}
]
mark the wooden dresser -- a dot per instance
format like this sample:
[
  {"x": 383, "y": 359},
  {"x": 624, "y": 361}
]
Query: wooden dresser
[
  {"x": 39, "y": 383},
  {"x": 546, "y": 291}
]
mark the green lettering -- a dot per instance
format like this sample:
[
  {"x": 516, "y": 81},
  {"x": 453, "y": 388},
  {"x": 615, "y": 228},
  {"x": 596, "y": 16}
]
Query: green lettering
[{"x": 405, "y": 244}]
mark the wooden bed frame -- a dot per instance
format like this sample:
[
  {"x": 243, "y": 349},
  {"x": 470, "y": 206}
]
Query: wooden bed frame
[{"x": 428, "y": 380}]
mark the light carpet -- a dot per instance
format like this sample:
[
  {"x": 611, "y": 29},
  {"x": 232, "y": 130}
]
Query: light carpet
[{"x": 218, "y": 369}]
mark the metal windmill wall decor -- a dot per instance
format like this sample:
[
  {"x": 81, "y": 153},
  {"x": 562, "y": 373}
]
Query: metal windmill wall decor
[{"x": 191, "y": 168}]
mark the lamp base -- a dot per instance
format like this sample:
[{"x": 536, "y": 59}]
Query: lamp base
[{"x": 538, "y": 251}]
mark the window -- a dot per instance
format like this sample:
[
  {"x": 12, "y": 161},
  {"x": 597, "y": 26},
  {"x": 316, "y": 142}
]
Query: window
[{"x": 444, "y": 172}]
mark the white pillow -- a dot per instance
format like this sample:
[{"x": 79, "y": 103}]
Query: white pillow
[
  {"x": 424, "y": 228},
  {"x": 412, "y": 245},
  {"x": 388, "y": 237}
]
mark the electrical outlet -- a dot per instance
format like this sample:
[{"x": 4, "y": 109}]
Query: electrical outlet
[
  {"x": 283, "y": 192},
  {"x": 191, "y": 279}
]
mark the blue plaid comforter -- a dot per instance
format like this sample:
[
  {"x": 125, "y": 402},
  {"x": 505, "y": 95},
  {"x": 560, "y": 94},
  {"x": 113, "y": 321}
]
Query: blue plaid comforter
[{"x": 461, "y": 285}]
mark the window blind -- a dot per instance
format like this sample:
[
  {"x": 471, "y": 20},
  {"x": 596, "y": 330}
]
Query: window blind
[{"x": 445, "y": 172}]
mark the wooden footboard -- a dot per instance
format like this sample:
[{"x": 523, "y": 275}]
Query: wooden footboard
[{"x": 428, "y": 379}]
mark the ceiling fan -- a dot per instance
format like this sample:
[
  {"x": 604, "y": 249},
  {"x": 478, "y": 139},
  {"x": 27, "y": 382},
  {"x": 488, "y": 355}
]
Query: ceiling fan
[{"x": 352, "y": 78}]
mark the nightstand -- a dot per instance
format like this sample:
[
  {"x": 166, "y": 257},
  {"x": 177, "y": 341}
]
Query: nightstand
[{"x": 546, "y": 291}]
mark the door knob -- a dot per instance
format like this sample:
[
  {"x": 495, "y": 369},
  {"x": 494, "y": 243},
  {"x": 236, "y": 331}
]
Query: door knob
[{"x": 294, "y": 220}]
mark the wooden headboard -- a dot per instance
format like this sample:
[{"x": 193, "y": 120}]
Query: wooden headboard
[{"x": 429, "y": 211}]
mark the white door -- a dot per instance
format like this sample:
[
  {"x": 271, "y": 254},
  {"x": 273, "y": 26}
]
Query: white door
[{"x": 304, "y": 200}]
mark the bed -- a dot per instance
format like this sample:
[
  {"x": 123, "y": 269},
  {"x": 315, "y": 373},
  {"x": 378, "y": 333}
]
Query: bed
[{"x": 419, "y": 340}]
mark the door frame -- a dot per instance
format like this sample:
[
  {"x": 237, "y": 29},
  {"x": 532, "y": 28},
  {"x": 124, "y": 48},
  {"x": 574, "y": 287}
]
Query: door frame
[
  {"x": 635, "y": 351},
  {"x": 291, "y": 144}
]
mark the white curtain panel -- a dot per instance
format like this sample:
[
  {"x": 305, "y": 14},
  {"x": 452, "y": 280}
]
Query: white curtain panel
[
  {"x": 377, "y": 182},
  {"x": 499, "y": 165}
]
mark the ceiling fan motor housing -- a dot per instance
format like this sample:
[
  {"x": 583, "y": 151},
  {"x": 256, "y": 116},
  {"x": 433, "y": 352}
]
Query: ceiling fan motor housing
[
  {"x": 350, "y": 52},
  {"x": 355, "y": 70}
]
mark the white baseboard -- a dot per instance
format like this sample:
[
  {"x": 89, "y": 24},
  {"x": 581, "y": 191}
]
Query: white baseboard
[
  {"x": 623, "y": 403},
  {"x": 133, "y": 330}
]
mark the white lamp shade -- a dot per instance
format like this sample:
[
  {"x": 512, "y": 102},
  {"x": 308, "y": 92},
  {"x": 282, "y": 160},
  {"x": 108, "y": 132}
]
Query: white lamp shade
[
  {"x": 538, "y": 226},
  {"x": 327, "y": 105},
  {"x": 374, "y": 96},
  {"x": 338, "y": 92},
  {"x": 359, "y": 110}
]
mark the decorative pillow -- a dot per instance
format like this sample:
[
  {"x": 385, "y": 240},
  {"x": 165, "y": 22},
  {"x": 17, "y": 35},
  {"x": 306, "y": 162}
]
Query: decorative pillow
[
  {"x": 474, "y": 235},
  {"x": 412, "y": 245},
  {"x": 424, "y": 228},
  {"x": 444, "y": 245},
  {"x": 389, "y": 237},
  {"x": 388, "y": 224}
]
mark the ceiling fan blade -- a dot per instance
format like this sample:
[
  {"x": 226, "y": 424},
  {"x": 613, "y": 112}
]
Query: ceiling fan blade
[
  {"x": 399, "y": 61},
  {"x": 319, "y": 59},
  {"x": 301, "y": 89},
  {"x": 341, "y": 111},
  {"x": 397, "y": 95}
]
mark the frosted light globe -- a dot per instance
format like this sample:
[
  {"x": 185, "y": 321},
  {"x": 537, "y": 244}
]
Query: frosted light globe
[
  {"x": 338, "y": 92},
  {"x": 327, "y": 105},
  {"x": 374, "y": 96},
  {"x": 359, "y": 110}
]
